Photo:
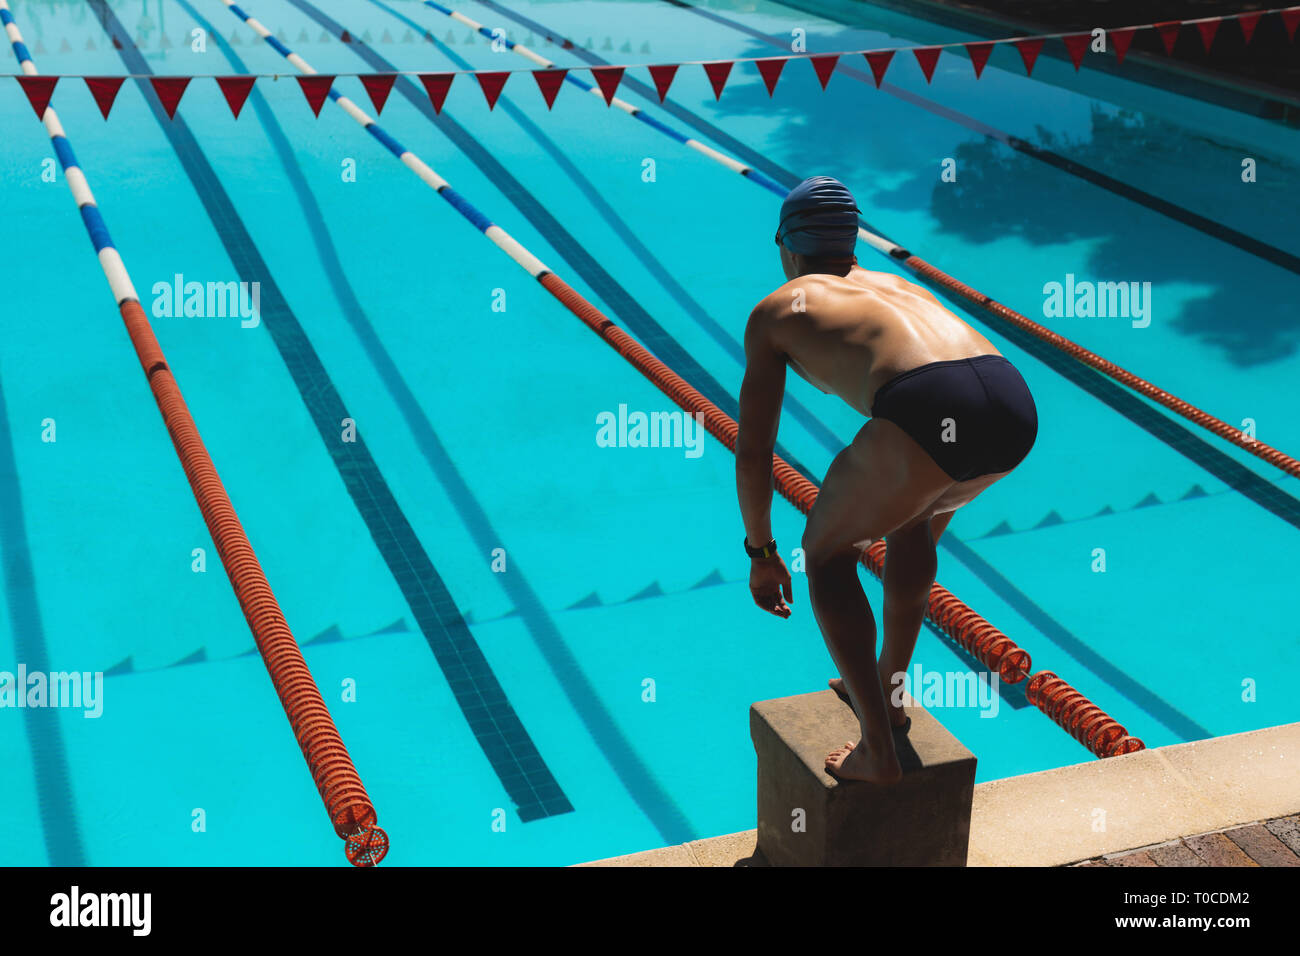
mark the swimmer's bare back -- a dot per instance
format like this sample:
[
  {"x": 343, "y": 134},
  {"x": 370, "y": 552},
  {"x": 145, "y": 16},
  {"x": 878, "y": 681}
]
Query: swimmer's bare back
[
  {"x": 849, "y": 335},
  {"x": 874, "y": 339}
]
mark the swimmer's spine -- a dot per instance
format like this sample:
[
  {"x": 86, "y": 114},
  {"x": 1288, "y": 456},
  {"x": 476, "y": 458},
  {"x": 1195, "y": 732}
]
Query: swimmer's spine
[
  {"x": 351, "y": 812},
  {"x": 1102, "y": 735},
  {"x": 1269, "y": 454}
]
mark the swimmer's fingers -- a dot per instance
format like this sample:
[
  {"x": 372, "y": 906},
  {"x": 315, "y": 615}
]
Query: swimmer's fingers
[
  {"x": 768, "y": 579},
  {"x": 770, "y": 601}
]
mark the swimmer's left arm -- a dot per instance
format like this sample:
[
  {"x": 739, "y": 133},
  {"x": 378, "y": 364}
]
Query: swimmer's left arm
[{"x": 760, "y": 415}]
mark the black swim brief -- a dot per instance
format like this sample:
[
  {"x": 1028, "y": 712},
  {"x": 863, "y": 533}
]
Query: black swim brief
[{"x": 973, "y": 416}]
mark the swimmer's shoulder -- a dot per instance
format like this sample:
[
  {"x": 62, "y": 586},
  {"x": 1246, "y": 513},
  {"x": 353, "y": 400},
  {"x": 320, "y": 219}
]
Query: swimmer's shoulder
[
  {"x": 795, "y": 297},
  {"x": 783, "y": 307}
]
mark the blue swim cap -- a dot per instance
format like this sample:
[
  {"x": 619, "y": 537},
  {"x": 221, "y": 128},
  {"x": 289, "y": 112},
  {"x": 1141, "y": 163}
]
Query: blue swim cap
[{"x": 819, "y": 218}]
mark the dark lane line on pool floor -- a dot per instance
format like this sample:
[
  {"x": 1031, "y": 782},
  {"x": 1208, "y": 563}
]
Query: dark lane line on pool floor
[
  {"x": 618, "y": 751},
  {"x": 633, "y": 315},
  {"x": 492, "y": 719},
  {"x": 1171, "y": 210},
  {"x": 1121, "y": 399},
  {"x": 54, "y": 799}
]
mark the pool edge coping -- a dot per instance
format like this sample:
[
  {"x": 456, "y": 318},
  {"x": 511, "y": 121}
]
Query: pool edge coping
[{"x": 1083, "y": 811}]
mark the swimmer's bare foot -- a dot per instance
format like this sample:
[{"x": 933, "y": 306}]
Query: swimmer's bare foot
[
  {"x": 898, "y": 718},
  {"x": 859, "y": 762}
]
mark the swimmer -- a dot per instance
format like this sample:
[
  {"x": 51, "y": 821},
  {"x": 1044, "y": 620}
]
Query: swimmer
[{"x": 948, "y": 416}]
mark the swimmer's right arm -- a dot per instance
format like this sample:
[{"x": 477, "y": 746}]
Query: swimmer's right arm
[{"x": 760, "y": 415}]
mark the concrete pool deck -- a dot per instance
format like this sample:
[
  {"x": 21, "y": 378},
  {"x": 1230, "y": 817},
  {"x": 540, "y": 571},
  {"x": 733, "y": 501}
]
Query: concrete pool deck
[{"x": 1222, "y": 801}]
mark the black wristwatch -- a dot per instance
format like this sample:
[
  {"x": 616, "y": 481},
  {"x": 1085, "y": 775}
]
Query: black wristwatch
[{"x": 766, "y": 551}]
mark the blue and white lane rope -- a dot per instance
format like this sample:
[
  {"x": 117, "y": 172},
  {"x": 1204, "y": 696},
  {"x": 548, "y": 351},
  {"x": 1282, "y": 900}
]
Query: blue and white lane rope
[
  {"x": 507, "y": 243},
  {"x": 730, "y": 162},
  {"x": 879, "y": 243},
  {"x": 109, "y": 260}
]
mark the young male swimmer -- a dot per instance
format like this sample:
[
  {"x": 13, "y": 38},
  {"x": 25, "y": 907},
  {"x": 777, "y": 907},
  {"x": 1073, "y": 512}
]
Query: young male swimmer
[{"x": 949, "y": 416}]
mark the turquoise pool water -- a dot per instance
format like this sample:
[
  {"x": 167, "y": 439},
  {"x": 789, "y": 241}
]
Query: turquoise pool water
[{"x": 477, "y": 397}]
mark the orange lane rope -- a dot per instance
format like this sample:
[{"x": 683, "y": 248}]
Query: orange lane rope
[
  {"x": 350, "y": 809},
  {"x": 1066, "y": 707}
]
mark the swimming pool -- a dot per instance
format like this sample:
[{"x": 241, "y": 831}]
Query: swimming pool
[{"x": 620, "y": 632}]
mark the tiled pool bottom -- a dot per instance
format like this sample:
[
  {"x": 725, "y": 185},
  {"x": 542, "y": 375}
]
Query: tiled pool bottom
[{"x": 1223, "y": 801}]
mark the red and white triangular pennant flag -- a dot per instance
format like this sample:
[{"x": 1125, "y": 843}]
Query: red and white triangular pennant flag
[
  {"x": 979, "y": 56},
  {"x": 235, "y": 89},
  {"x": 315, "y": 87},
  {"x": 1208, "y": 29},
  {"x": 608, "y": 78},
  {"x": 1120, "y": 41},
  {"x": 1290, "y": 20},
  {"x": 549, "y": 82},
  {"x": 718, "y": 73},
  {"x": 437, "y": 85},
  {"x": 1248, "y": 23},
  {"x": 1077, "y": 45},
  {"x": 1029, "y": 49},
  {"x": 1168, "y": 30},
  {"x": 663, "y": 77},
  {"x": 825, "y": 66},
  {"x": 378, "y": 86},
  {"x": 771, "y": 71},
  {"x": 927, "y": 56},
  {"x": 491, "y": 84},
  {"x": 169, "y": 89},
  {"x": 104, "y": 90},
  {"x": 879, "y": 61},
  {"x": 39, "y": 89}
]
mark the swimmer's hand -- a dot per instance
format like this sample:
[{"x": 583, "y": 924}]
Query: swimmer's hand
[{"x": 768, "y": 580}]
